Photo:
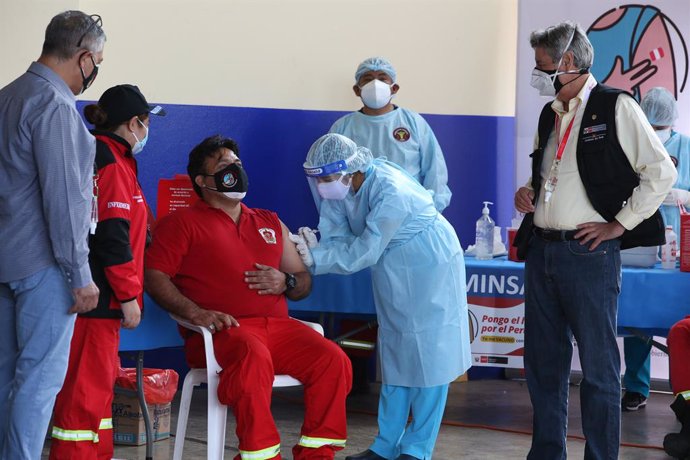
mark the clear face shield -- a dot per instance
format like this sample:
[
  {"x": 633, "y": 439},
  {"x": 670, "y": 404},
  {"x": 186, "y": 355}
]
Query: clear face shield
[{"x": 329, "y": 182}]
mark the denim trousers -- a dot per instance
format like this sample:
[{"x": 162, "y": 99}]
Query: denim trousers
[
  {"x": 35, "y": 334},
  {"x": 571, "y": 291},
  {"x": 418, "y": 438}
]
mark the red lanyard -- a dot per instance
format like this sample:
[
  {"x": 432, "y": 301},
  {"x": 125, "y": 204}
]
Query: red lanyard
[{"x": 564, "y": 141}]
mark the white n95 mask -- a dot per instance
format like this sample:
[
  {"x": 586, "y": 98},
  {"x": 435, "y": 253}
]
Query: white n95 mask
[
  {"x": 376, "y": 94},
  {"x": 543, "y": 82},
  {"x": 334, "y": 190}
]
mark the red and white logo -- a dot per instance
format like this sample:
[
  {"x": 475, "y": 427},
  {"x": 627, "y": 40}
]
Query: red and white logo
[
  {"x": 656, "y": 54},
  {"x": 401, "y": 134},
  {"x": 268, "y": 234}
]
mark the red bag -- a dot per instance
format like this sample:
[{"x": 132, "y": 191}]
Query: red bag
[
  {"x": 684, "y": 240},
  {"x": 160, "y": 385}
]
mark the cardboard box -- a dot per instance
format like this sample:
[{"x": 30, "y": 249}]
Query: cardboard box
[{"x": 128, "y": 421}]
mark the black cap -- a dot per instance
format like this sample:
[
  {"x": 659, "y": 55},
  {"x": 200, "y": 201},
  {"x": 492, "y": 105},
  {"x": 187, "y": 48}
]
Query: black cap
[{"x": 123, "y": 102}]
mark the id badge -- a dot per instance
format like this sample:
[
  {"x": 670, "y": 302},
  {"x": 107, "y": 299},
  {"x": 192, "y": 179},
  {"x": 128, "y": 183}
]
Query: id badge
[{"x": 552, "y": 181}]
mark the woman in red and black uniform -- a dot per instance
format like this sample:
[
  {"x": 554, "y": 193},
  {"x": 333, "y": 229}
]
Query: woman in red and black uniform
[{"x": 82, "y": 424}]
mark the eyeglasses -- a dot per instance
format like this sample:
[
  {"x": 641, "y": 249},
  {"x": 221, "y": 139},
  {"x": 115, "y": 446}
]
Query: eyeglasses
[{"x": 97, "y": 22}]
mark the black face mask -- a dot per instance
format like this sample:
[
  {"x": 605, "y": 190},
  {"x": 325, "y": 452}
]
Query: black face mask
[
  {"x": 232, "y": 178},
  {"x": 87, "y": 81},
  {"x": 557, "y": 85}
]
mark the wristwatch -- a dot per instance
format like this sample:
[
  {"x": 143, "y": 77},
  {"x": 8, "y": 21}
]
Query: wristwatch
[{"x": 290, "y": 281}]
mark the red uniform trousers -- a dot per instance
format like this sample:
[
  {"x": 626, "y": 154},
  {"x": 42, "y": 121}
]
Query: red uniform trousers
[
  {"x": 678, "y": 341},
  {"x": 251, "y": 355},
  {"x": 82, "y": 421}
]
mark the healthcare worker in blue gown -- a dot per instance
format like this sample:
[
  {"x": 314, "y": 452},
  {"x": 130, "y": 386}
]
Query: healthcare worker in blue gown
[
  {"x": 403, "y": 136},
  {"x": 659, "y": 106},
  {"x": 374, "y": 214}
]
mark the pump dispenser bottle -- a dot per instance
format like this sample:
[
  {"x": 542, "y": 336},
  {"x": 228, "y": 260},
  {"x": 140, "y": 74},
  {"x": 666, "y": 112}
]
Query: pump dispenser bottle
[{"x": 484, "y": 242}]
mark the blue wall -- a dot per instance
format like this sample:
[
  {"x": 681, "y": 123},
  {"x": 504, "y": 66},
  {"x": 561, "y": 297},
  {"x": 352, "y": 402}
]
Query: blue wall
[{"x": 273, "y": 144}]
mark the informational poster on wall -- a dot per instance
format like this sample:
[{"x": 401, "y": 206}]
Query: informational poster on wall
[
  {"x": 637, "y": 46},
  {"x": 497, "y": 317},
  {"x": 173, "y": 194}
]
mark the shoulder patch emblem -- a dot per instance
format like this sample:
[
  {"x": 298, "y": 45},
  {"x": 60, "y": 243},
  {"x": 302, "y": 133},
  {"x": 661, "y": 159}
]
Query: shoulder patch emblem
[
  {"x": 268, "y": 234},
  {"x": 401, "y": 134}
]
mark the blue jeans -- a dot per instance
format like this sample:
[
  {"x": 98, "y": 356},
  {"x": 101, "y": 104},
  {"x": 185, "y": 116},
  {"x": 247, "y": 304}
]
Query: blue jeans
[
  {"x": 637, "y": 365},
  {"x": 396, "y": 436},
  {"x": 35, "y": 334},
  {"x": 571, "y": 291}
]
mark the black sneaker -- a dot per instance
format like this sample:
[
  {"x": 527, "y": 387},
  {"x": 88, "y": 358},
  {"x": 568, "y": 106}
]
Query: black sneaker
[{"x": 632, "y": 401}]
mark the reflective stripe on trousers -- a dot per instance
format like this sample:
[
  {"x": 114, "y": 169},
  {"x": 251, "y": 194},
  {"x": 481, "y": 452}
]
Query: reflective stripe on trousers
[
  {"x": 262, "y": 454},
  {"x": 74, "y": 435},
  {"x": 81, "y": 435},
  {"x": 315, "y": 443}
]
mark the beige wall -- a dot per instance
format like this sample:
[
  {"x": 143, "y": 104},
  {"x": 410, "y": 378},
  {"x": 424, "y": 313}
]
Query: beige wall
[{"x": 452, "y": 56}]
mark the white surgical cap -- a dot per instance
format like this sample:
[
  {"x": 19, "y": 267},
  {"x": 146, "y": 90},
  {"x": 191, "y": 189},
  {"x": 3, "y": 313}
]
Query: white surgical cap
[
  {"x": 660, "y": 107},
  {"x": 375, "y": 64},
  {"x": 335, "y": 147}
]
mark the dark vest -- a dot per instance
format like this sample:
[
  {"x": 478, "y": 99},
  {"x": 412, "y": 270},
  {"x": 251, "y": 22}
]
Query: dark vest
[{"x": 605, "y": 171}]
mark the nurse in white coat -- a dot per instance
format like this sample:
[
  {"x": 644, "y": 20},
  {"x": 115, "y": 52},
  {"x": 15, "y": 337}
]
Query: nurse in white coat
[{"x": 374, "y": 214}]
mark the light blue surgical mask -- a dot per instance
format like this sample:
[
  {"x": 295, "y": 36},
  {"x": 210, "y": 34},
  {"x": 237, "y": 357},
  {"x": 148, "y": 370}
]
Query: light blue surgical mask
[
  {"x": 139, "y": 145},
  {"x": 663, "y": 134}
]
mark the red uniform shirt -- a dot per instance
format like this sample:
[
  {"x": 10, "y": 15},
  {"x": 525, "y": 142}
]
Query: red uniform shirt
[{"x": 206, "y": 254}]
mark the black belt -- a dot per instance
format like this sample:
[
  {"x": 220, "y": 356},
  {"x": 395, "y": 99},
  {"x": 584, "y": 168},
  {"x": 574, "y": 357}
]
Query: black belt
[{"x": 555, "y": 235}]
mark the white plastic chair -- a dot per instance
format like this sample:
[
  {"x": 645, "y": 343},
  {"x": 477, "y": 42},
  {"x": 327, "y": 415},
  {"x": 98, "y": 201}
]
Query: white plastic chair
[{"x": 217, "y": 412}]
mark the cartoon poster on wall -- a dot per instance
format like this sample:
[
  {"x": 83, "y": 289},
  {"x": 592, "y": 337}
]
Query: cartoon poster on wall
[{"x": 636, "y": 47}]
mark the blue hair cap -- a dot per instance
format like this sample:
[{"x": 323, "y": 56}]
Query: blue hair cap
[{"x": 375, "y": 64}]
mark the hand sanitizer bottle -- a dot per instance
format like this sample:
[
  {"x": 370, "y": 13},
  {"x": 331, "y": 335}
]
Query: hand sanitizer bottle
[{"x": 484, "y": 242}]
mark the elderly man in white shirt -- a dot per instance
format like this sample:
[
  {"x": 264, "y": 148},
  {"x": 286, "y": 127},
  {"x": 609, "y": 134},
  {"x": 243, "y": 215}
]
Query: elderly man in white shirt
[{"x": 599, "y": 176}]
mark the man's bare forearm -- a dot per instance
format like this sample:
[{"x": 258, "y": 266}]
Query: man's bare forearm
[{"x": 165, "y": 293}]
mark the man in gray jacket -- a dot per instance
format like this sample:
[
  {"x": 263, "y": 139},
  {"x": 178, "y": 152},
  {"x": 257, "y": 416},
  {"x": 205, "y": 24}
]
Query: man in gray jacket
[{"x": 46, "y": 200}]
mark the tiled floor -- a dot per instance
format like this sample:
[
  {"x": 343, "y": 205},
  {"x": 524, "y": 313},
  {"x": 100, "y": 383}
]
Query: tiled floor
[{"x": 484, "y": 419}]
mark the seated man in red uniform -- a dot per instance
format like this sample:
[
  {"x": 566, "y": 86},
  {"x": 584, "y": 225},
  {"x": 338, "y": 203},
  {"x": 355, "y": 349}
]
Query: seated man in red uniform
[{"x": 225, "y": 266}]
